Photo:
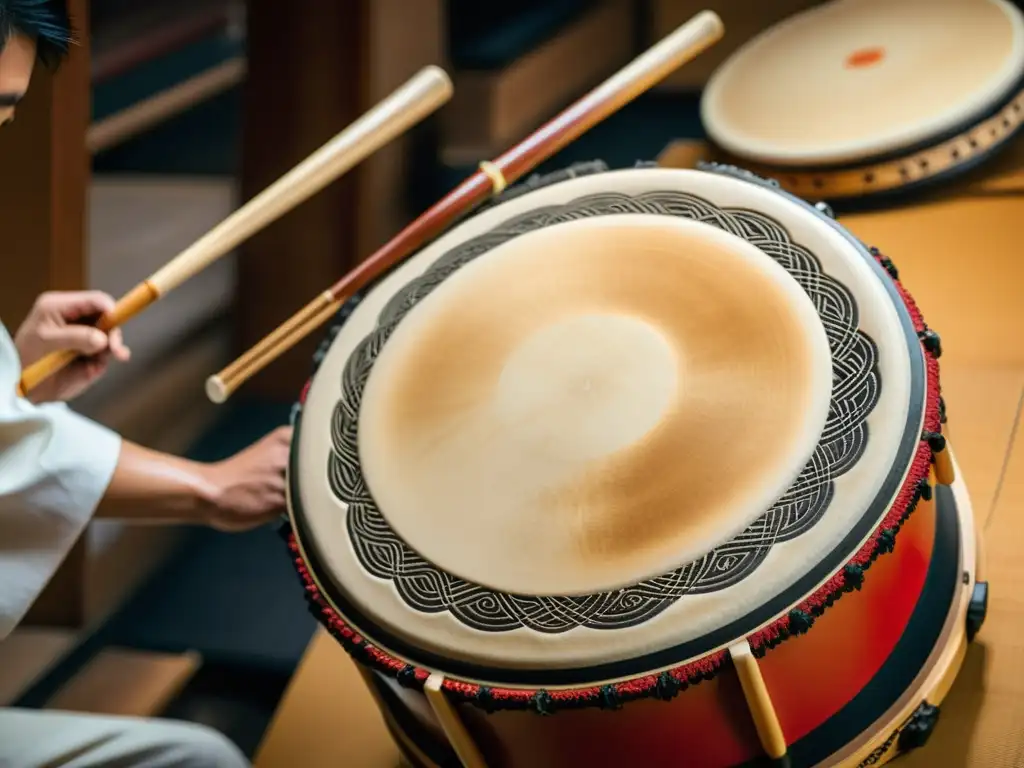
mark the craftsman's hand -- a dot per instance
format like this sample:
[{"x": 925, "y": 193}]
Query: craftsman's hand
[
  {"x": 57, "y": 322},
  {"x": 249, "y": 487}
]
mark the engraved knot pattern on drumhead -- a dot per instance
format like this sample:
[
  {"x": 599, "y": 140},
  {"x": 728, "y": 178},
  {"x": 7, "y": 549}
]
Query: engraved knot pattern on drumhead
[{"x": 426, "y": 588}]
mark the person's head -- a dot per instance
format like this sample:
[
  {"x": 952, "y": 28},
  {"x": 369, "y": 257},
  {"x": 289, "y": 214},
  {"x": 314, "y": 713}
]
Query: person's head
[{"x": 29, "y": 30}]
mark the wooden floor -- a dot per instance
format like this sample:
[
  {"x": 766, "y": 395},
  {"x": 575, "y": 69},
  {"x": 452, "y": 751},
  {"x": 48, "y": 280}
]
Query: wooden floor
[{"x": 962, "y": 261}]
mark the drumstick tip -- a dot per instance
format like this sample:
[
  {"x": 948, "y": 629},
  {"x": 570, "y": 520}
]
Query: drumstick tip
[
  {"x": 435, "y": 81},
  {"x": 216, "y": 390},
  {"x": 435, "y": 72},
  {"x": 712, "y": 21}
]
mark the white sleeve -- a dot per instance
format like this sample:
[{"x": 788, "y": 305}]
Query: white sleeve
[{"x": 55, "y": 466}]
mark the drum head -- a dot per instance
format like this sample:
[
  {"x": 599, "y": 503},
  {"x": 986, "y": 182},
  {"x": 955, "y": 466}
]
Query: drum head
[
  {"x": 628, "y": 415},
  {"x": 598, "y": 394},
  {"x": 857, "y": 79}
]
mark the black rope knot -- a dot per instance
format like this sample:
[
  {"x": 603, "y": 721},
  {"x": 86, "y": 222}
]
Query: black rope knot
[
  {"x": 542, "y": 703},
  {"x": 800, "y": 622},
  {"x": 485, "y": 699},
  {"x": 667, "y": 687},
  {"x": 932, "y": 342},
  {"x": 936, "y": 441},
  {"x": 854, "y": 576},
  {"x": 886, "y": 263},
  {"x": 886, "y": 541},
  {"x": 924, "y": 489},
  {"x": 407, "y": 676},
  {"x": 610, "y": 698}
]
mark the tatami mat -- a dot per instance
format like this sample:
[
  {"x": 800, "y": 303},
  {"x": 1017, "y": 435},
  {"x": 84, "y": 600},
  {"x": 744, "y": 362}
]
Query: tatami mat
[
  {"x": 961, "y": 260},
  {"x": 982, "y": 720},
  {"x": 328, "y": 717},
  {"x": 982, "y": 405}
]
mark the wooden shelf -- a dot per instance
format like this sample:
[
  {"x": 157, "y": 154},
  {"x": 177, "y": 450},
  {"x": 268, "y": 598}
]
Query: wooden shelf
[
  {"x": 27, "y": 654},
  {"x": 492, "y": 109},
  {"x": 120, "y": 681},
  {"x": 154, "y": 61}
]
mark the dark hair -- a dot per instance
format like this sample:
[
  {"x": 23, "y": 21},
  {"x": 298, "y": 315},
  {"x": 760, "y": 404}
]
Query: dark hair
[{"x": 46, "y": 21}]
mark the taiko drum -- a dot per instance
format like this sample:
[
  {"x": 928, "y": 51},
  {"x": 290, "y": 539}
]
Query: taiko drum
[{"x": 642, "y": 467}]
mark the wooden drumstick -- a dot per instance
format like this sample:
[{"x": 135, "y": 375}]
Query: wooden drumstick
[
  {"x": 649, "y": 68},
  {"x": 423, "y": 94}
]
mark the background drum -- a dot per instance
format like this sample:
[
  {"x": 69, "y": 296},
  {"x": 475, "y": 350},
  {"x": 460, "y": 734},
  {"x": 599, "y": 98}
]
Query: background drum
[
  {"x": 612, "y": 450},
  {"x": 859, "y": 100}
]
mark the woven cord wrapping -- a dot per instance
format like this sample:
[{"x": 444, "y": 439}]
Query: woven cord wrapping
[{"x": 665, "y": 685}]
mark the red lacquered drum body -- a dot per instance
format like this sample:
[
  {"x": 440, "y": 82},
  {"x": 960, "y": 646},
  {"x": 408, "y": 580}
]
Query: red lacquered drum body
[
  {"x": 854, "y": 645},
  {"x": 844, "y": 664}
]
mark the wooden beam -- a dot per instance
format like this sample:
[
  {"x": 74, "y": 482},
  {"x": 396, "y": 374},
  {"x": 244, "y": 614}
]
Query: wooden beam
[
  {"x": 307, "y": 79},
  {"x": 310, "y": 75},
  {"x": 43, "y": 218},
  {"x": 42, "y": 206},
  {"x": 403, "y": 37}
]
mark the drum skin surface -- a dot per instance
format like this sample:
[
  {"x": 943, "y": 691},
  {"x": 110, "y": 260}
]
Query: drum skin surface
[
  {"x": 604, "y": 476},
  {"x": 829, "y": 596}
]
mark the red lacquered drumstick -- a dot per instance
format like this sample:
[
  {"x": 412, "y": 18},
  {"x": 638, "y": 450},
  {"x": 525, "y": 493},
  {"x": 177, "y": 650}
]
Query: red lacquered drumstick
[{"x": 643, "y": 72}]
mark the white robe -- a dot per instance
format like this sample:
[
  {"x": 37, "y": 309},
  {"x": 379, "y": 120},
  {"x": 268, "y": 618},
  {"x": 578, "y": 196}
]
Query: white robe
[{"x": 55, "y": 466}]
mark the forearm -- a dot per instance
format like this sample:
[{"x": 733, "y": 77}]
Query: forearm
[{"x": 152, "y": 487}]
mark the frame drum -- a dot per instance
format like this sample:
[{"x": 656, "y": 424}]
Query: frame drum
[
  {"x": 856, "y": 99},
  {"x": 584, "y": 481}
]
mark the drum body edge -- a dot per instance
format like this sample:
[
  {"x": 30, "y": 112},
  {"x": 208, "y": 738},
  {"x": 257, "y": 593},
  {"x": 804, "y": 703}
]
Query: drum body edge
[{"x": 910, "y": 685}]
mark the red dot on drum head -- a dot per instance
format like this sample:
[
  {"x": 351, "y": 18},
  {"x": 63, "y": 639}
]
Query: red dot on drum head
[{"x": 865, "y": 57}]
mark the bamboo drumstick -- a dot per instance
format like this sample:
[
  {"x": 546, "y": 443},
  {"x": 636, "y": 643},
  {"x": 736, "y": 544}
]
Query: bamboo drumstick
[
  {"x": 649, "y": 68},
  {"x": 421, "y": 95}
]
